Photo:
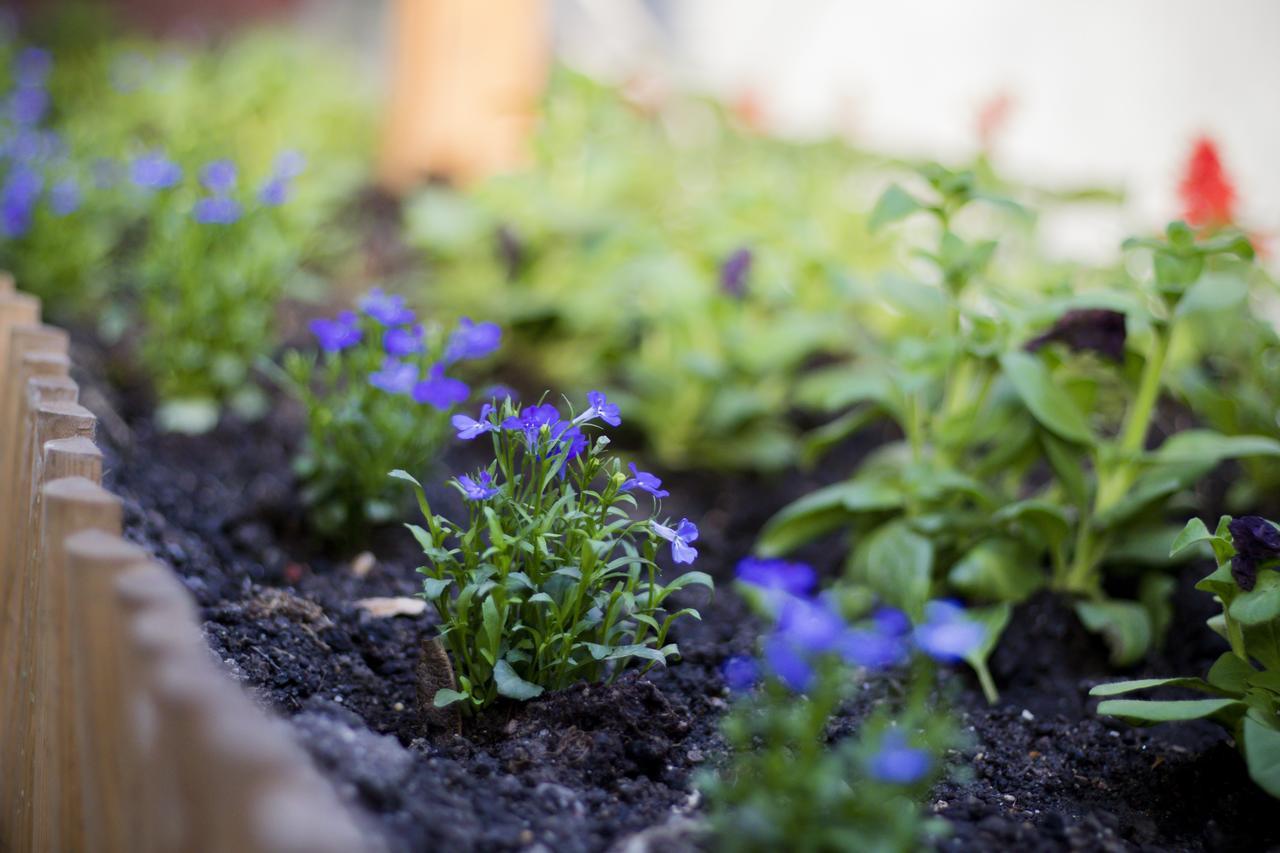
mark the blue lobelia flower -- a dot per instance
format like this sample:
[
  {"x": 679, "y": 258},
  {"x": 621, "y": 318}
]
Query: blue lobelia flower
[
  {"x": 898, "y": 763},
  {"x": 472, "y": 340},
  {"x": 17, "y": 201},
  {"x": 645, "y": 482},
  {"x": 598, "y": 406},
  {"x": 31, "y": 67},
  {"x": 788, "y": 664},
  {"x": 219, "y": 177},
  {"x": 28, "y": 106},
  {"x": 400, "y": 341},
  {"x": 501, "y": 392},
  {"x": 871, "y": 649},
  {"x": 947, "y": 633},
  {"x": 478, "y": 489},
  {"x": 798, "y": 579},
  {"x": 440, "y": 391},
  {"x": 813, "y": 626},
  {"x": 395, "y": 377},
  {"x": 155, "y": 172},
  {"x": 740, "y": 673},
  {"x": 388, "y": 309},
  {"x": 891, "y": 621},
  {"x": 685, "y": 532},
  {"x": 336, "y": 335},
  {"x": 734, "y": 272},
  {"x": 64, "y": 197},
  {"x": 274, "y": 192},
  {"x": 469, "y": 428},
  {"x": 531, "y": 420},
  {"x": 216, "y": 210}
]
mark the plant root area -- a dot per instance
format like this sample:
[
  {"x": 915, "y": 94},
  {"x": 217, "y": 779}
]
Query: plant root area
[{"x": 612, "y": 767}]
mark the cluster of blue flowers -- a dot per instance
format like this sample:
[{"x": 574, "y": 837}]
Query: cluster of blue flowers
[
  {"x": 153, "y": 171},
  {"x": 544, "y": 430},
  {"x": 402, "y": 337},
  {"x": 29, "y": 153}
]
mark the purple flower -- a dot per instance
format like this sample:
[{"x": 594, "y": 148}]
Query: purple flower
[
  {"x": 1256, "y": 541},
  {"x": 531, "y": 420},
  {"x": 734, "y": 272},
  {"x": 948, "y": 634},
  {"x": 645, "y": 482},
  {"x": 400, "y": 341},
  {"x": 598, "y": 406},
  {"x": 31, "y": 67},
  {"x": 395, "y": 377},
  {"x": 812, "y": 626},
  {"x": 788, "y": 664},
  {"x": 216, "y": 210},
  {"x": 440, "y": 391},
  {"x": 219, "y": 177},
  {"x": 154, "y": 172},
  {"x": 740, "y": 673},
  {"x": 388, "y": 309},
  {"x": 64, "y": 197},
  {"x": 871, "y": 649},
  {"x": 891, "y": 621},
  {"x": 797, "y": 579},
  {"x": 28, "y": 106},
  {"x": 469, "y": 428},
  {"x": 898, "y": 763},
  {"x": 478, "y": 489},
  {"x": 274, "y": 192},
  {"x": 686, "y": 531},
  {"x": 336, "y": 335},
  {"x": 17, "y": 201},
  {"x": 472, "y": 340}
]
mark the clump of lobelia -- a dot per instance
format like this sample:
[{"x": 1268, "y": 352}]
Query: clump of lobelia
[
  {"x": 1243, "y": 685},
  {"x": 553, "y": 577}
]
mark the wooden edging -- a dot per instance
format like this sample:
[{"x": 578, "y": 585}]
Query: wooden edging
[{"x": 119, "y": 730}]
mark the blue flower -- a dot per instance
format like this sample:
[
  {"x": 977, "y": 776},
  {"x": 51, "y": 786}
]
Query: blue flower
[
  {"x": 788, "y": 664},
  {"x": 335, "y": 335},
  {"x": 274, "y": 192},
  {"x": 469, "y": 428},
  {"x": 734, "y": 272},
  {"x": 478, "y": 489},
  {"x": 395, "y": 377},
  {"x": 531, "y": 420},
  {"x": 154, "y": 172},
  {"x": 898, "y": 763},
  {"x": 797, "y": 579},
  {"x": 812, "y": 626},
  {"x": 219, "y": 177},
  {"x": 64, "y": 197},
  {"x": 891, "y": 621},
  {"x": 28, "y": 106},
  {"x": 31, "y": 67},
  {"x": 686, "y": 531},
  {"x": 440, "y": 391},
  {"x": 17, "y": 201},
  {"x": 871, "y": 649},
  {"x": 598, "y": 406},
  {"x": 501, "y": 392},
  {"x": 472, "y": 340},
  {"x": 948, "y": 634},
  {"x": 740, "y": 673},
  {"x": 216, "y": 210},
  {"x": 645, "y": 482},
  {"x": 388, "y": 309},
  {"x": 401, "y": 341}
]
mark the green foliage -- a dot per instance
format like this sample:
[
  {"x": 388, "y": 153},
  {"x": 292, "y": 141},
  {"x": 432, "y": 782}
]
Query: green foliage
[
  {"x": 1245, "y": 682},
  {"x": 550, "y": 580},
  {"x": 1023, "y": 465}
]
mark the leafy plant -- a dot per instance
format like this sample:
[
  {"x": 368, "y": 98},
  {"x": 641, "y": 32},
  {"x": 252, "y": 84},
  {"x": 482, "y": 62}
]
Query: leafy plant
[
  {"x": 786, "y": 786},
  {"x": 1244, "y": 683},
  {"x": 378, "y": 394},
  {"x": 550, "y": 580},
  {"x": 1023, "y": 465}
]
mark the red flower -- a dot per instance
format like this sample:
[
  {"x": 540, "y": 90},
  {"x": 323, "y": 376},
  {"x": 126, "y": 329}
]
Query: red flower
[{"x": 1208, "y": 196}]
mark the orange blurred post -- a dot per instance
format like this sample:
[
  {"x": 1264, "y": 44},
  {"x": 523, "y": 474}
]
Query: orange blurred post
[{"x": 466, "y": 80}]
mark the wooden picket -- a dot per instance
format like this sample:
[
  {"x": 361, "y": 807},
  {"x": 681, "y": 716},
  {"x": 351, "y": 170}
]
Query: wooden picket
[{"x": 119, "y": 731}]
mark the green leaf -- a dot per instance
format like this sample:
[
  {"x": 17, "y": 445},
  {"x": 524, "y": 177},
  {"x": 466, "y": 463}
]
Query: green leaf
[
  {"x": 1048, "y": 402},
  {"x": 895, "y": 204},
  {"x": 1194, "y": 532},
  {"x": 444, "y": 696},
  {"x": 1047, "y": 518},
  {"x": 899, "y": 565},
  {"x": 433, "y": 587},
  {"x": 600, "y": 652},
  {"x": 1064, "y": 459},
  {"x": 993, "y": 620},
  {"x": 1117, "y": 688},
  {"x": 511, "y": 685},
  {"x": 690, "y": 578},
  {"x": 997, "y": 570},
  {"x": 1125, "y": 625},
  {"x": 1213, "y": 292},
  {"x": 1230, "y": 673},
  {"x": 1170, "y": 710},
  {"x": 1262, "y": 755},
  {"x": 1260, "y": 604},
  {"x": 406, "y": 476},
  {"x": 823, "y": 511},
  {"x": 1206, "y": 447}
]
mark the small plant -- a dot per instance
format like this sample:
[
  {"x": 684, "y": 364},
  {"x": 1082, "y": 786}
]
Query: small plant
[
  {"x": 551, "y": 580},
  {"x": 787, "y": 787},
  {"x": 1244, "y": 683},
  {"x": 378, "y": 394}
]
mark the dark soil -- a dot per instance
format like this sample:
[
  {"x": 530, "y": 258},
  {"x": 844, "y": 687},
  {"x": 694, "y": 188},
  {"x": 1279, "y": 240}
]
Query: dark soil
[{"x": 609, "y": 767}]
